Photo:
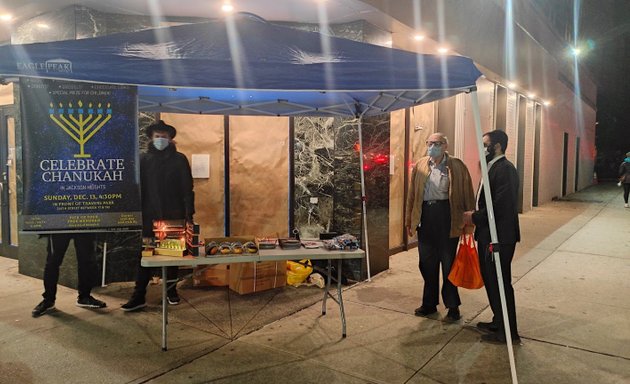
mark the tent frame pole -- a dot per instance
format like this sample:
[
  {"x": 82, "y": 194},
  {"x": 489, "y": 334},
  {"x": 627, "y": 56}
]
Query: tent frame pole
[
  {"x": 493, "y": 233},
  {"x": 363, "y": 198}
]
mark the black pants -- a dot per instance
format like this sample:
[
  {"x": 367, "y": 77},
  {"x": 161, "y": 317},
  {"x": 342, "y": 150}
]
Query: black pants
[
  {"x": 143, "y": 276},
  {"x": 86, "y": 263},
  {"x": 437, "y": 247},
  {"x": 626, "y": 192},
  {"x": 489, "y": 275}
]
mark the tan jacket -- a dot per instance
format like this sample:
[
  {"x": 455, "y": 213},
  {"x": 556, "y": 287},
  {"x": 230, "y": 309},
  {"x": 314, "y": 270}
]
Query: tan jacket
[{"x": 460, "y": 193}]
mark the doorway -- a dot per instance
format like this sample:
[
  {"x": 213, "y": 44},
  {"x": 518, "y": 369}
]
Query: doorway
[
  {"x": 577, "y": 165},
  {"x": 8, "y": 184},
  {"x": 565, "y": 163}
]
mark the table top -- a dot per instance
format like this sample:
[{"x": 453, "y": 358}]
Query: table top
[{"x": 277, "y": 254}]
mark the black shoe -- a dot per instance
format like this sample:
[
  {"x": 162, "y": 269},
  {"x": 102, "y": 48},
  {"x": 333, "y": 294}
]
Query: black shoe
[
  {"x": 173, "y": 297},
  {"x": 499, "y": 338},
  {"x": 90, "y": 302},
  {"x": 43, "y": 307},
  {"x": 135, "y": 303},
  {"x": 488, "y": 327},
  {"x": 424, "y": 311},
  {"x": 453, "y": 314}
]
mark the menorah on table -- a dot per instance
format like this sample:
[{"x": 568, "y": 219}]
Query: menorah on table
[{"x": 78, "y": 124}]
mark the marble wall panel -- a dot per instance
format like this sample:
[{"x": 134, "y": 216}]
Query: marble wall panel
[
  {"x": 376, "y": 151},
  {"x": 313, "y": 174},
  {"x": 52, "y": 26},
  {"x": 93, "y": 23}
]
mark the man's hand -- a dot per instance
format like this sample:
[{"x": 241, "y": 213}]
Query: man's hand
[
  {"x": 409, "y": 231},
  {"x": 467, "y": 218}
]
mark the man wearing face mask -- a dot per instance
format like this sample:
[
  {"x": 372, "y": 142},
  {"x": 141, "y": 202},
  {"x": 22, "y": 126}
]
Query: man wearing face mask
[
  {"x": 167, "y": 194},
  {"x": 441, "y": 190},
  {"x": 504, "y": 184}
]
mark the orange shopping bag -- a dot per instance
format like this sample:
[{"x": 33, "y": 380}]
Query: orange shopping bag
[{"x": 465, "y": 271}]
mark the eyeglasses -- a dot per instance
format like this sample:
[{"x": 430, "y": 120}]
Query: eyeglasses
[{"x": 434, "y": 143}]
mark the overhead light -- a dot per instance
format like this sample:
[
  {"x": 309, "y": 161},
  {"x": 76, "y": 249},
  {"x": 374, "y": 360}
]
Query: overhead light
[
  {"x": 418, "y": 37},
  {"x": 6, "y": 17},
  {"x": 576, "y": 51},
  {"x": 531, "y": 95},
  {"x": 546, "y": 103},
  {"x": 512, "y": 85},
  {"x": 43, "y": 26},
  {"x": 227, "y": 8},
  {"x": 442, "y": 50}
]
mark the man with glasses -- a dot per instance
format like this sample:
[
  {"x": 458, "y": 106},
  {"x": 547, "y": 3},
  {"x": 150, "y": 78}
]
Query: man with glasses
[{"x": 441, "y": 191}]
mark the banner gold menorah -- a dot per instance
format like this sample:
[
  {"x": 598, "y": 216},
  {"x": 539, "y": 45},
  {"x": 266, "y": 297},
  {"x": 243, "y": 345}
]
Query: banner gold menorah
[{"x": 80, "y": 126}]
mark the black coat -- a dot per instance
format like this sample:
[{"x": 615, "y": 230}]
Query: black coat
[
  {"x": 624, "y": 172},
  {"x": 166, "y": 185},
  {"x": 504, "y": 183}
]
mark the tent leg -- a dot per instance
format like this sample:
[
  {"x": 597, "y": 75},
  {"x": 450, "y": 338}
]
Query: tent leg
[
  {"x": 493, "y": 233},
  {"x": 104, "y": 264},
  {"x": 363, "y": 208}
]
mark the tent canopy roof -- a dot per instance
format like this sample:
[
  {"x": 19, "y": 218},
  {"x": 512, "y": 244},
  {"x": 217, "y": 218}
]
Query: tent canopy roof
[{"x": 245, "y": 65}]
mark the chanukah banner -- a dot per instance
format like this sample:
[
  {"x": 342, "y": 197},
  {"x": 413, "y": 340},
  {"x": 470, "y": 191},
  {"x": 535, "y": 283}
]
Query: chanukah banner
[{"x": 80, "y": 157}]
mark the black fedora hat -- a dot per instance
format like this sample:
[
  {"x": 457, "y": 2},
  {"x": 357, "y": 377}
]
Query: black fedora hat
[{"x": 161, "y": 126}]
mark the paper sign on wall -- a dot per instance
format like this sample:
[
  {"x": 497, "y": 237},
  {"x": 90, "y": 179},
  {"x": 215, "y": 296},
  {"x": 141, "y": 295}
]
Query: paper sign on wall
[{"x": 200, "y": 166}]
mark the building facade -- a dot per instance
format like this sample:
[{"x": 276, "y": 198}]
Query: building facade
[{"x": 530, "y": 88}]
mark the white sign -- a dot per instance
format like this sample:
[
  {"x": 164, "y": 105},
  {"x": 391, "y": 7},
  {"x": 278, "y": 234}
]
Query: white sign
[{"x": 200, "y": 166}]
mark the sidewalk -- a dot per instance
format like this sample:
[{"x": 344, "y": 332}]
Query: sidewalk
[{"x": 572, "y": 284}]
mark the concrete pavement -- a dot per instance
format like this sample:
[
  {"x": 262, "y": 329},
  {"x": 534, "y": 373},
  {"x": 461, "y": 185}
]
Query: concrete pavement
[{"x": 571, "y": 278}]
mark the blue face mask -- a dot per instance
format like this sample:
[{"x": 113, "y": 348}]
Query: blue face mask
[
  {"x": 434, "y": 151},
  {"x": 160, "y": 143}
]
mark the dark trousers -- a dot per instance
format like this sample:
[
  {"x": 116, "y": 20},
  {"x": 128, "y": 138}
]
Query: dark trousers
[
  {"x": 86, "y": 263},
  {"x": 626, "y": 192},
  {"x": 143, "y": 276},
  {"x": 437, "y": 247},
  {"x": 489, "y": 275}
]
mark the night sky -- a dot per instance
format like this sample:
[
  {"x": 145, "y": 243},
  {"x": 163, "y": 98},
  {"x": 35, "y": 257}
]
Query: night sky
[{"x": 605, "y": 24}]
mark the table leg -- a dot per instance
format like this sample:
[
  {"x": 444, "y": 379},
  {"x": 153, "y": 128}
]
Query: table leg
[
  {"x": 341, "y": 311},
  {"x": 328, "y": 277},
  {"x": 164, "y": 309}
]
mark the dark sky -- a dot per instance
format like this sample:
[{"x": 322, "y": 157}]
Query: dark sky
[{"x": 606, "y": 23}]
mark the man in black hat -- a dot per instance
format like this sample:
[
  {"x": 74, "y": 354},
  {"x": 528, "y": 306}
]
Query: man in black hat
[{"x": 167, "y": 194}]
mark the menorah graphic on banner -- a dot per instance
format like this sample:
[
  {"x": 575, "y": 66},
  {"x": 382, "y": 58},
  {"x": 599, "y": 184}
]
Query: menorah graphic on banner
[{"x": 78, "y": 124}]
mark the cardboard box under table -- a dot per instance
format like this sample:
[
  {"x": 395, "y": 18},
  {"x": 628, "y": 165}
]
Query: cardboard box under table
[
  {"x": 257, "y": 276},
  {"x": 211, "y": 276}
]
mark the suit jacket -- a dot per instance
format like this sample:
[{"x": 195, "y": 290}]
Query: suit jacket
[{"x": 504, "y": 188}]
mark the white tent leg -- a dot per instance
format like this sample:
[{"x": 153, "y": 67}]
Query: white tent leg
[
  {"x": 104, "y": 264},
  {"x": 493, "y": 233},
  {"x": 363, "y": 209}
]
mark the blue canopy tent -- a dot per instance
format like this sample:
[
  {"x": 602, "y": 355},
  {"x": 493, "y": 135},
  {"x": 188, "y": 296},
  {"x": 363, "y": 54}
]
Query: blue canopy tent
[{"x": 244, "y": 65}]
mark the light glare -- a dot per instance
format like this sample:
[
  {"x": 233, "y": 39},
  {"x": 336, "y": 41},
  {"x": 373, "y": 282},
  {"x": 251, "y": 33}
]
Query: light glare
[
  {"x": 227, "y": 8},
  {"x": 6, "y": 17}
]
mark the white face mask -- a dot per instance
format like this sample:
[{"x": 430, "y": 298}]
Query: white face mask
[{"x": 160, "y": 143}]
